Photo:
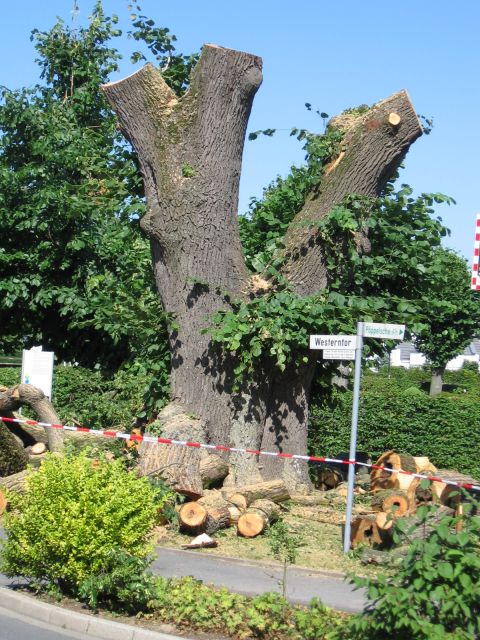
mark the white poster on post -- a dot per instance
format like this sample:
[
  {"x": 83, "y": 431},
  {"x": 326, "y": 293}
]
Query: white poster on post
[{"x": 37, "y": 369}]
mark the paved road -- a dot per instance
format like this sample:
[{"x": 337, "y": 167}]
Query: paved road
[
  {"x": 14, "y": 626},
  {"x": 252, "y": 578}
]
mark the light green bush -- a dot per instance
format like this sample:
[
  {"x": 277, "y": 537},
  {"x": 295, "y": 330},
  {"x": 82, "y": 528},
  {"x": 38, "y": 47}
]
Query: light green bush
[{"x": 73, "y": 513}]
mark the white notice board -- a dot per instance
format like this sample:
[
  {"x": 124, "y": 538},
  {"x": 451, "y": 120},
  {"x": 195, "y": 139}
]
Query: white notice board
[{"x": 37, "y": 369}]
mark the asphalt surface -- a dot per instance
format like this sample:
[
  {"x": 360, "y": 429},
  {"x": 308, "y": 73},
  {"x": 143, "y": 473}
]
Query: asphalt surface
[
  {"x": 14, "y": 626},
  {"x": 253, "y": 578}
]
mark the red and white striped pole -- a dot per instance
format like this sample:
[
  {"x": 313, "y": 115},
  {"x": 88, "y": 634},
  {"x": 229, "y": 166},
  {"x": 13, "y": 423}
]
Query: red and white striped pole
[{"x": 476, "y": 257}]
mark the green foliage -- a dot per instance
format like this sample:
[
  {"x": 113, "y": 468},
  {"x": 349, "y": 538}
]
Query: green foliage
[
  {"x": 263, "y": 228},
  {"x": 396, "y": 414},
  {"x": 188, "y": 603},
  {"x": 95, "y": 399},
  {"x": 387, "y": 283},
  {"x": 176, "y": 68},
  {"x": 434, "y": 593},
  {"x": 316, "y": 621},
  {"x": 72, "y": 517},
  {"x": 123, "y": 584},
  {"x": 453, "y": 310},
  {"x": 283, "y": 543},
  {"x": 75, "y": 271}
]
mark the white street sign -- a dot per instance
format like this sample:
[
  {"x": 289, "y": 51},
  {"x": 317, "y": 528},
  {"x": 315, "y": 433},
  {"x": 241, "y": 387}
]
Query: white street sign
[
  {"x": 333, "y": 342},
  {"x": 383, "y": 331},
  {"x": 339, "y": 354},
  {"x": 37, "y": 369}
]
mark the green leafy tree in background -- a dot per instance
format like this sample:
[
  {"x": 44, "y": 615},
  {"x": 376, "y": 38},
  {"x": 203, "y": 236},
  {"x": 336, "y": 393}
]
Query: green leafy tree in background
[
  {"x": 452, "y": 317},
  {"x": 75, "y": 270}
]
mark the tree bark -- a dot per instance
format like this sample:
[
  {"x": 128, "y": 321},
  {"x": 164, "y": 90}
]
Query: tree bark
[
  {"x": 436, "y": 382},
  {"x": 26, "y": 394},
  {"x": 190, "y": 152}
]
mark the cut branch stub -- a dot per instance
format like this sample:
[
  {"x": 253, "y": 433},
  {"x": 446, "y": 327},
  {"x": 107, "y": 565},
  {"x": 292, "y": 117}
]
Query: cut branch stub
[{"x": 373, "y": 148}]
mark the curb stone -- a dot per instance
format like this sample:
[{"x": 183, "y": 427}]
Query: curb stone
[{"x": 73, "y": 621}]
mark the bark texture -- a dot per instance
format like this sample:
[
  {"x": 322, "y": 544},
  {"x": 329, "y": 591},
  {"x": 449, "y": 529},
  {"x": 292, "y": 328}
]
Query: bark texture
[
  {"x": 190, "y": 152},
  {"x": 27, "y": 395}
]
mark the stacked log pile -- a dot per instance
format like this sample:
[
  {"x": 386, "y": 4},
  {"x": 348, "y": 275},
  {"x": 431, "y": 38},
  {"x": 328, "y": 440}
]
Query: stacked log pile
[
  {"x": 250, "y": 508},
  {"x": 394, "y": 494}
]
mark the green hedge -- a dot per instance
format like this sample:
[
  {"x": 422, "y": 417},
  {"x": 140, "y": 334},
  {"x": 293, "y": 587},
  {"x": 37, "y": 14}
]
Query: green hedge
[
  {"x": 395, "y": 413},
  {"x": 89, "y": 397}
]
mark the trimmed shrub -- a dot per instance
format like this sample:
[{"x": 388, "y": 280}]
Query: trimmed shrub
[
  {"x": 74, "y": 514},
  {"x": 396, "y": 414}
]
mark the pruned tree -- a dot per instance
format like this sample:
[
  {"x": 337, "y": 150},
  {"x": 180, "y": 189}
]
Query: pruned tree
[{"x": 190, "y": 151}]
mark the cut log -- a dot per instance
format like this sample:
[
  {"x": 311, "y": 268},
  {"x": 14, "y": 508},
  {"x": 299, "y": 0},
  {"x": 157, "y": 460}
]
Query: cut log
[
  {"x": 238, "y": 501},
  {"x": 29, "y": 434},
  {"x": 213, "y": 469},
  {"x": 13, "y": 457},
  {"x": 390, "y": 501},
  {"x": 220, "y": 513},
  {"x": 192, "y": 516},
  {"x": 384, "y": 520},
  {"x": 448, "y": 494},
  {"x": 235, "y": 514},
  {"x": 328, "y": 478},
  {"x": 28, "y": 395},
  {"x": 217, "y": 518},
  {"x": 3, "y": 502},
  {"x": 424, "y": 465},
  {"x": 417, "y": 529},
  {"x": 259, "y": 515},
  {"x": 37, "y": 449},
  {"x": 381, "y": 479},
  {"x": 179, "y": 466},
  {"x": 274, "y": 490},
  {"x": 14, "y": 482},
  {"x": 416, "y": 495},
  {"x": 309, "y": 500},
  {"x": 365, "y": 531}
]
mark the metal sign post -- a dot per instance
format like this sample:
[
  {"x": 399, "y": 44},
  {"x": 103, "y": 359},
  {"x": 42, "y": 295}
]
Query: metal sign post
[
  {"x": 353, "y": 435},
  {"x": 347, "y": 348}
]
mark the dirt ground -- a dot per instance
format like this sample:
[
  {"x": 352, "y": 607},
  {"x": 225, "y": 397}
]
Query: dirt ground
[{"x": 318, "y": 527}]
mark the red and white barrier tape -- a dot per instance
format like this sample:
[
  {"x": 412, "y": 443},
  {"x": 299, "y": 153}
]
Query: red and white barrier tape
[
  {"x": 476, "y": 257},
  {"x": 219, "y": 447}
]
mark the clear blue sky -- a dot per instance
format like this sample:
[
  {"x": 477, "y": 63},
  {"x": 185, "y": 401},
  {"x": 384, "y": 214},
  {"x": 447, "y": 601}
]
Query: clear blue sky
[{"x": 332, "y": 54}]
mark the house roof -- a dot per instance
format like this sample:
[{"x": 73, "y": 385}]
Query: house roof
[{"x": 407, "y": 348}]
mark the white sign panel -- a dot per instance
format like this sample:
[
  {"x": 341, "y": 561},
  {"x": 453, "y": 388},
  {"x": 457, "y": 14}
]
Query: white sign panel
[
  {"x": 383, "y": 331},
  {"x": 37, "y": 369},
  {"x": 339, "y": 354},
  {"x": 333, "y": 342}
]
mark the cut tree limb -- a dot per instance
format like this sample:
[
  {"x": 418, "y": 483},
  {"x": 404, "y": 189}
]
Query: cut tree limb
[
  {"x": 373, "y": 148},
  {"x": 27, "y": 395},
  {"x": 178, "y": 465},
  {"x": 14, "y": 482},
  {"x": 381, "y": 479},
  {"x": 274, "y": 490},
  {"x": 213, "y": 469}
]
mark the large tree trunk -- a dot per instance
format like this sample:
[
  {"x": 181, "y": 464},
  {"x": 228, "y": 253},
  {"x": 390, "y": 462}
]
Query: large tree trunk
[
  {"x": 190, "y": 152},
  {"x": 436, "y": 382}
]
